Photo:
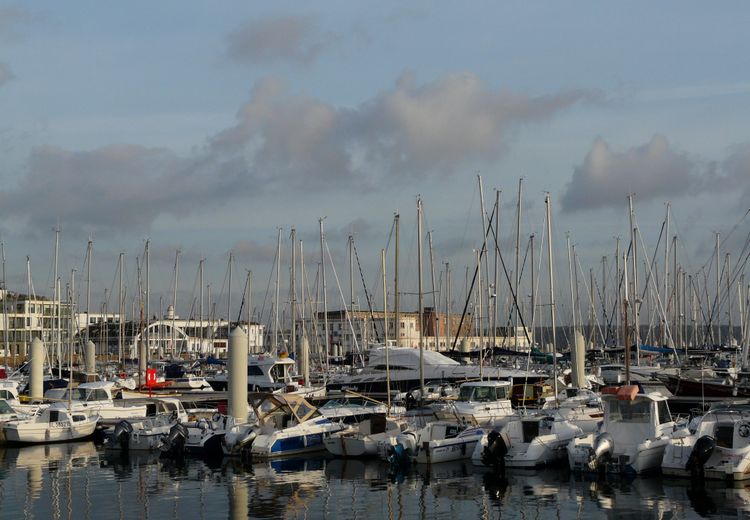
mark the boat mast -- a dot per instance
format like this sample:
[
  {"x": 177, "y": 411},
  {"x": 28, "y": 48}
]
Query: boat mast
[
  {"x": 718, "y": 293},
  {"x": 200, "y": 304},
  {"x": 385, "y": 329},
  {"x": 147, "y": 332},
  {"x": 229, "y": 300},
  {"x": 5, "y": 307},
  {"x": 625, "y": 328},
  {"x": 436, "y": 331},
  {"x": 276, "y": 302},
  {"x": 518, "y": 252},
  {"x": 57, "y": 298},
  {"x": 421, "y": 308},
  {"x": 293, "y": 240},
  {"x": 397, "y": 326},
  {"x": 447, "y": 305},
  {"x": 174, "y": 298},
  {"x": 572, "y": 293},
  {"x": 666, "y": 277},
  {"x": 497, "y": 258},
  {"x": 636, "y": 297},
  {"x": 88, "y": 286},
  {"x": 478, "y": 253},
  {"x": 325, "y": 298},
  {"x": 547, "y": 204},
  {"x": 121, "y": 330}
]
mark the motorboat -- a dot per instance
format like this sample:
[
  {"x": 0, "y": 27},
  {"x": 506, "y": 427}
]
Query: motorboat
[
  {"x": 9, "y": 393},
  {"x": 8, "y": 413},
  {"x": 268, "y": 373},
  {"x": 189, "y": 383},
  {"x": 478, "y": 402},
  {"x": 438, "y": 441},
  {"x": 362, "y": 439},
  {"x": 403, "y": 367},
  {"x": 636, "y": 430},
  {"x": 288, "y": 425},
  {"x": 352, "y": 410},
  {"x": 718, "y": 448},
  {"x": 526, "y": 442},
  {"x": 580, "y": 406},
  {"x": 96, "y": 398},
  {"x": 57, "y": 423},
  {"x": 148, "y": 433}
]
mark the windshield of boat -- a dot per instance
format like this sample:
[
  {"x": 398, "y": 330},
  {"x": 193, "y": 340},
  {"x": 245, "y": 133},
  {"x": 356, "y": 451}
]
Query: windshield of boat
[
  {"x": 478, "y": 393},
  {"x": 629, "y": 411},
  {"x": 5, "y": 407},
  {"x": 6, "y": 394}
]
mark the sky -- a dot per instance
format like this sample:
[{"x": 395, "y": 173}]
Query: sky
[{"x": 208, "y": 128}]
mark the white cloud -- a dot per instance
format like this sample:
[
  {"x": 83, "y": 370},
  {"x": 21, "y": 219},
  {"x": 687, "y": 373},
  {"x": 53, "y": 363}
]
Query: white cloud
[{"x": 652, "y": 170}]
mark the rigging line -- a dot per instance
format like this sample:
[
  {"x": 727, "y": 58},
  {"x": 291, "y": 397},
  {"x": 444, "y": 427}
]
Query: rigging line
[
  {"x": 348, "y": 315},
  {"x": 473, "y": 281},
  {"x": 367, "y": 294},
  {"x": 596, "y": 324},
  {"x": 268, "y": 286}
]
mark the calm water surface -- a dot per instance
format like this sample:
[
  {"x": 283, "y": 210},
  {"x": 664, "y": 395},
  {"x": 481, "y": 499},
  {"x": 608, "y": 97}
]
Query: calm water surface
[{"x": 81, "y": 481}]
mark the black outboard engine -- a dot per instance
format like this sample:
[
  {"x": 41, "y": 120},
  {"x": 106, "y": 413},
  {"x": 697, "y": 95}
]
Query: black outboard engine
[
  {"x": 121, "y": 435},
  {"x": 602, "y": 450},
  {"x": 702, "y": 451},
  {"x": 494, "y": 453},
  {"x": 174, "y": 443}
]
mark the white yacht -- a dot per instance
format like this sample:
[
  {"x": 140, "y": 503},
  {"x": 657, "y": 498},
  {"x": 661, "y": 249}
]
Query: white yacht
[
  {"x": 403, "y": 364},
  {"x": 438, "y": 441},
  {"x": 582, "y": 407},
  {"x": 362, "y": 439},
  {"x": 636, "y": 430},
  {"x": 96, "y": 398},
  {"x": 478, "y": 402},
  {"x": 57, "y": 423},
  {"x": 267, "y": 373},
  {"x": 526, "y": 442},
  {"x": 719, "y": 448}
]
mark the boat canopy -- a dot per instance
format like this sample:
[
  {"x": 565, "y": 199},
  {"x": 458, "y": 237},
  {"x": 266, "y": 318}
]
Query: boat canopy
[{"x": 268, "y": 405}]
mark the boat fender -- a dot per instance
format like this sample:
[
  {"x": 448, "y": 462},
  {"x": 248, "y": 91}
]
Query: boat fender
[
  {"x": 122, "y": 433},
  {"x": 602, "y": 449},
  {"x": 702, "y": 451}
]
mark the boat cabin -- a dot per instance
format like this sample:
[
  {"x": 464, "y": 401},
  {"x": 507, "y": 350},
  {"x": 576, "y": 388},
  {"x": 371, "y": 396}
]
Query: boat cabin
[
  {"x": 632, "y": 417},
  {"x": 279, "y": 411},
  {"x": 484, "y": 391}
]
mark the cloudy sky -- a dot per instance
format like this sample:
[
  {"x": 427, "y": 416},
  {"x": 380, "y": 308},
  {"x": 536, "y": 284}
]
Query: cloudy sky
[{"x": 206, "y": 128}]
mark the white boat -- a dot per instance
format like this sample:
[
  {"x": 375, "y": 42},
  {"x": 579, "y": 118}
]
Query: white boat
[
  {"x": 189, "y": 383},
  {"x": 9, "y": 393},
  {"x": 57, "y": 423},
  {"x": 361, "y": 440},
  {"x": 287, "y": 425},
  {"x": 267, "y": 373},
  {"x": 356, "y": 409},
  {"x": 96, "y": 398},
  {"x": 582, "y": 407},
  {"x": 438, "y": 441},
  {"x": 719, "y": 448},
  {"x": 527, "y": 442},
  {"x": 478, "y": 402},
  {"x": 148, "y": 433},
  {"x": 632, "y": 439},
  {"x": 7, "y": 413},
  {"x": 404, "y": 363}
]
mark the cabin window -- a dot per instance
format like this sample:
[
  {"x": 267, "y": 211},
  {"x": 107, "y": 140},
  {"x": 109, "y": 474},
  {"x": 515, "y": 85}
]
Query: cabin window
[
  {"x": 502, "y": 392},
  {"x": 54, "y": 415},
  {"x": 5, "y": 394},
  {"x": 629, "y": 411},
  {"x": 99, "y": 395},
  {"x": 664, "y": 415},
  {"x": 79, "y": 418},
  {"x": 253, "y": 370},
  {"x": 451, "y": 431}
]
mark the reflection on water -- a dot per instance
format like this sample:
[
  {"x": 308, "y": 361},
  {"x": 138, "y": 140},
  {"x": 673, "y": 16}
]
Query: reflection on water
[{"x": 81, "y": 481}]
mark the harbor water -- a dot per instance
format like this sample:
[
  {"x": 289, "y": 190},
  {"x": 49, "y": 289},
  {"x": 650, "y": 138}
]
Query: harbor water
[{"x": 82, "y": 481}]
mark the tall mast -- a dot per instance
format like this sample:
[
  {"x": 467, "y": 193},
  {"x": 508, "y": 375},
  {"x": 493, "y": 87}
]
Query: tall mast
[
  {"x": 547, "y": 204},
  {"x": 478, "y": 253},
  {"x": 147, "y": 331},
  {"x": 57, "y": 298},
  {"x": 305, "y": 341},
  {"x": 276, "y": 302},
  {"x": 572, "y": 291},
  {"x": 729, "y": 302},
  {"x": 435, "y": 312},
  {"x": 385, "y": 329},
  {"x": 496, "y": 247},
  {"x": 325, "y": 298},
  {"x": 5, "y": 307},
  {"x": 350, "y": 243},
  {"x": 533, "y": 292},
  {"x": 121, "y": 329},
  {"x": 200, "y": 304},
  {"x": 229, "y": 300},
  {"x": 518, "y": 252},
  {"x": 636, "y": 297},
  {"x": 421, "y": 308},
  {"x": 480, "y": 290},
  {"x": 397, "y": 325},
  {"x": 619, "y": 286},
  {"x": 293, "y": 240},
  {"x": 666, "y": 277},
  {"x": 88, "y": 287},
  {"x": 174, "y": 299}
]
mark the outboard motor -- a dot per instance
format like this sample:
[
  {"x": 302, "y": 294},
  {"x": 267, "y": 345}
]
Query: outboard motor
[
  {"x": 498, "y": 444},
  {"x": 702, "y": 451},
  {"x": 602, "y": 449},
  {"x": 121, "y": 435},
  {"x": 173, "y": 444},
  {"x": 398, "y": 456}
]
